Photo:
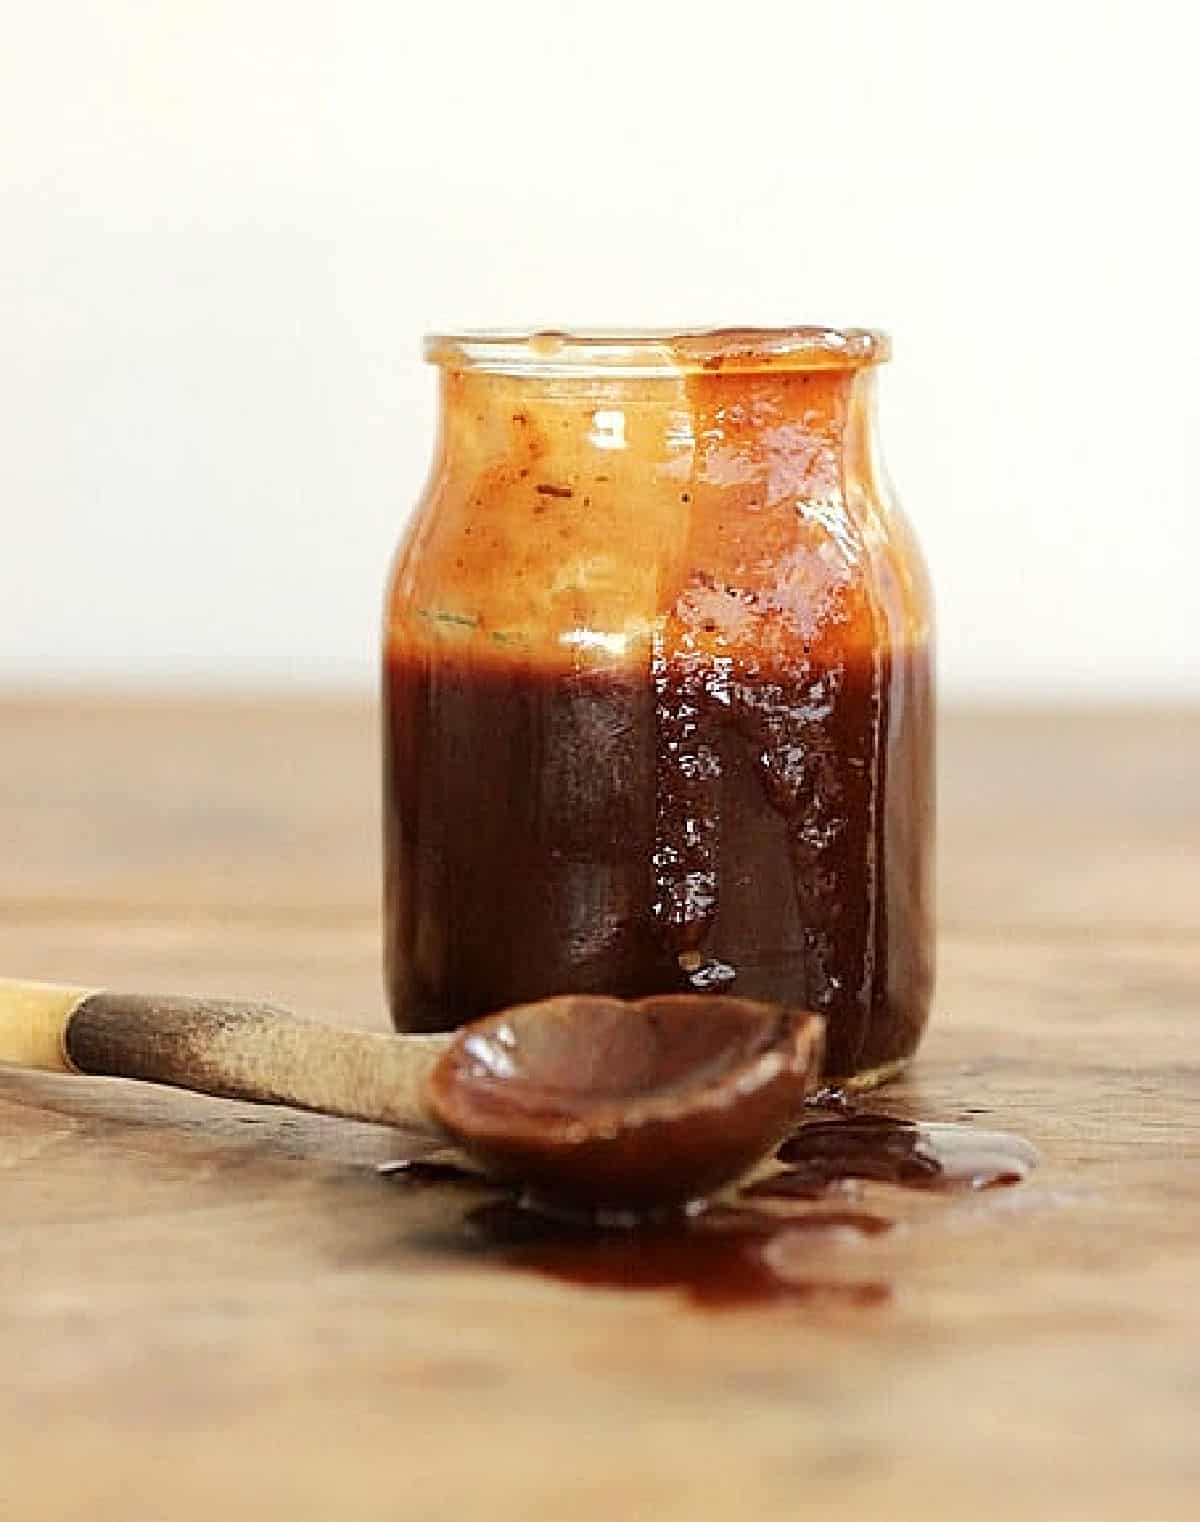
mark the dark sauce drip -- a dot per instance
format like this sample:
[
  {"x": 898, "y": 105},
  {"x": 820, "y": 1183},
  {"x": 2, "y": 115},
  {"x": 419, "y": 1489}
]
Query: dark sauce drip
[
  {"x": 914, "y": 1154},
  {"x": 806, "y": 745},
  {"x": 721, "y": 1260}
]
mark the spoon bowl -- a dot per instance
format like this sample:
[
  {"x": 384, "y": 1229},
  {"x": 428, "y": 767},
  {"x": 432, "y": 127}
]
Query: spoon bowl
[{"x": 626, "y": 1106}]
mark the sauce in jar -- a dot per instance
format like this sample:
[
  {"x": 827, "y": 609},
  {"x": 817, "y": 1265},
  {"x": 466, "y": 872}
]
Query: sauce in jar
[{"x": 657, "y": 692}]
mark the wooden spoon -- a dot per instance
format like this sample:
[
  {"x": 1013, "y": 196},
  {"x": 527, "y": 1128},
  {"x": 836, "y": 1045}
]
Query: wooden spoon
[{"x": 590, "y": 1101}]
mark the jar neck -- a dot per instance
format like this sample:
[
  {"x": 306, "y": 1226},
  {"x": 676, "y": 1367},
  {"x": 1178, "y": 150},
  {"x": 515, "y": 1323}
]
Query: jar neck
[{"x": 808, "y": 433}]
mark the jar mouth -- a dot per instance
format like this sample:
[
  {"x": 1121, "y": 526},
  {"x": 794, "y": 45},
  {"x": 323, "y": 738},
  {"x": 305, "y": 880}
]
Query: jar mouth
[{"x": 645, "y": 352}]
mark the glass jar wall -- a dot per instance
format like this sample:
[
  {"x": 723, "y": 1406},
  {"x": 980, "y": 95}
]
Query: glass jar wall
[{"x": 657, "y": 688}]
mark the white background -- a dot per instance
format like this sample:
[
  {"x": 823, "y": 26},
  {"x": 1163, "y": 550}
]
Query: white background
[{"x": 225, "y": 224}]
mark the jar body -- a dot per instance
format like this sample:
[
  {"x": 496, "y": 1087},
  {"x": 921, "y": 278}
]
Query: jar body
[{"x": 658, "y": 705}]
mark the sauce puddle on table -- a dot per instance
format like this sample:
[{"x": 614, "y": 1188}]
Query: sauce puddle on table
[
  {"x": 728, "y": 1257},
  {"x": 721, "y": 1259},
  {"x": 935, "y": 1155}
]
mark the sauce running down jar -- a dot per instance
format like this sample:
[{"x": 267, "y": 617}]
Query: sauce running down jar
[{"x": 657, "y": 688}]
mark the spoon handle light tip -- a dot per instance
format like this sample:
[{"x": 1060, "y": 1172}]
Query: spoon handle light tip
[{"x": 33, "y": 1023}]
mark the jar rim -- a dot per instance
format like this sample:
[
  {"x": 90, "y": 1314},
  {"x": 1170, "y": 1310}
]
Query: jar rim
[{"x": 667, "y": 352}]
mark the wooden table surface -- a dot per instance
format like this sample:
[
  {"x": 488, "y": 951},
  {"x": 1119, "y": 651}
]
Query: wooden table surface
[{"x": 214, "y": 1312}]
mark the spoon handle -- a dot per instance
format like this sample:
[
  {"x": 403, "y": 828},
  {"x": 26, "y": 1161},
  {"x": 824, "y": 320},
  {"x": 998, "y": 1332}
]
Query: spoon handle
[{"x": 226, "y": 1048}]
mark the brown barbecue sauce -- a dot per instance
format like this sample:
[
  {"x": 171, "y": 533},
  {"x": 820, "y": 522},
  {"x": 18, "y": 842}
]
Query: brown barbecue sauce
[
  {"x": 630, "y": 833},
  {"x": 657, "y": 689}
]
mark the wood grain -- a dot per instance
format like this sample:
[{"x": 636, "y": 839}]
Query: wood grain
[{"x": 208, "y": 1309}]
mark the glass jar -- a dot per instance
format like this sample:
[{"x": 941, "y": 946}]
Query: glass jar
[{"x": 657, "y": 688}]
